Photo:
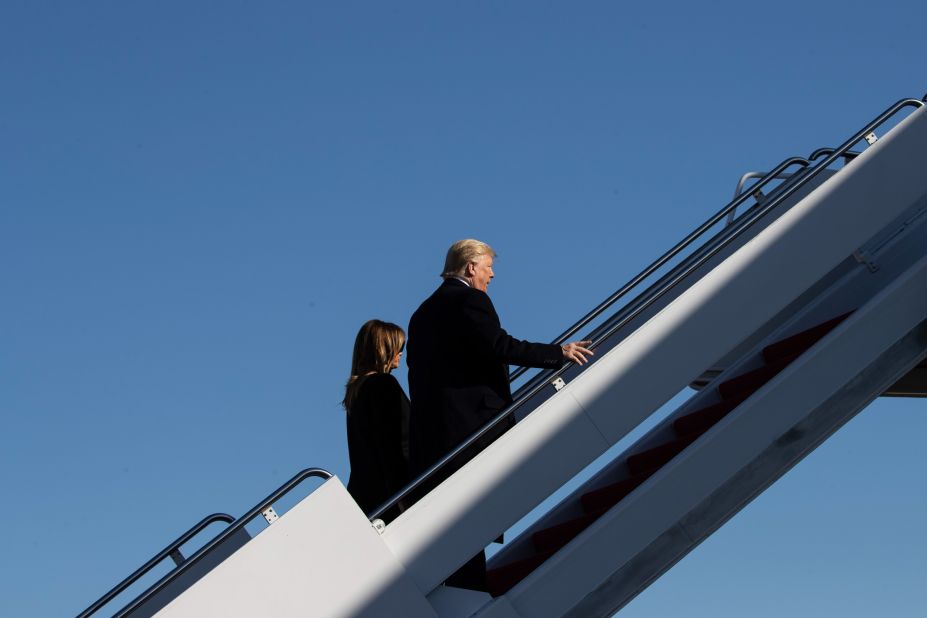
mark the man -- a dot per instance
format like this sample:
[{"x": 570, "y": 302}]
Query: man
[{"x": 458, "y": 356}]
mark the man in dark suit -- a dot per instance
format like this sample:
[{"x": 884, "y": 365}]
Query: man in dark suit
[{"x": 458, "y": 356}]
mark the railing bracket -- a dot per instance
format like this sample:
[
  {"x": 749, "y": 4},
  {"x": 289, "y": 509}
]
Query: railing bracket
[
  {"x": 871, "y": 138},
  {"x": 558, "y": 383},
  {"x": 270, "y": 515},
  {"x": 378, "y": 525}
]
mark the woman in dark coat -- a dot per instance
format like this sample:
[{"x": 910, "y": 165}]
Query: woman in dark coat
[{"x": 377, "y": 418}]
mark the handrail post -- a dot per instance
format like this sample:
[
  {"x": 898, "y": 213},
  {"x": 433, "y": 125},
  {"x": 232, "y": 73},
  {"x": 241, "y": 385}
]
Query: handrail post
[{"x": 172, "y": 551}]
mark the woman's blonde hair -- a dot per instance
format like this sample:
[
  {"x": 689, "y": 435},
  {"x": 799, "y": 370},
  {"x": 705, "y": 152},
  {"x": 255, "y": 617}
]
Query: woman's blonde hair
[
  {"x": 376, "y": 345},
  {"x": 462, "y": 253}
]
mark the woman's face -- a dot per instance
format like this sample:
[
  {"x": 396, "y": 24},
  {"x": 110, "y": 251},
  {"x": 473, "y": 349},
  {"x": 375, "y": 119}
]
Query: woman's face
[{"x": 395, "y": 362}]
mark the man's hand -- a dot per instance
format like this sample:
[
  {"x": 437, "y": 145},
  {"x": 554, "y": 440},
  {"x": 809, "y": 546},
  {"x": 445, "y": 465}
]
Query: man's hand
[{"x": 577, "y": 352}]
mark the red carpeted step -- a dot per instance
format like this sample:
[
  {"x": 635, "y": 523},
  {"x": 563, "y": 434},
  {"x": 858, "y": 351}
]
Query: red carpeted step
[
  {"x": 700, "y": 421},
  {"x": 790, "y": 347},
  {"x": 745, "y": 385},
  {"x": 555, "y": 537},
  {"x": 502, "y": 579},
  {"x": 610, "y": 495},
  {"x": 658, "y": 455}
]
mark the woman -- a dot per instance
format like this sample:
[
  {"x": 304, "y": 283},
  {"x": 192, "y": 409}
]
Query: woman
[{"x": 377, "y": 418}]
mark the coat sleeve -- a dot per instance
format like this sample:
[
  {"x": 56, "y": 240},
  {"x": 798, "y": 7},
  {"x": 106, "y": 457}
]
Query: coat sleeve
[{"x": 483, "y": 323}]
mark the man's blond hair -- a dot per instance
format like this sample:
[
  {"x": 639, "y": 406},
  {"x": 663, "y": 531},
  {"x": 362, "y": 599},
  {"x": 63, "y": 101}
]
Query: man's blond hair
[{"x": 462, "y": 253}]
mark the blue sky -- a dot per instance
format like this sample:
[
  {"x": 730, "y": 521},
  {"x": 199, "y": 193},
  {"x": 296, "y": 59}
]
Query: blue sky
[{"x": 200, "y": 204}]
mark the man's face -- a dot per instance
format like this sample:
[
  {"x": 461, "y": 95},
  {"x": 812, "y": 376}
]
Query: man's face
[{"x": 480, "y": 272}]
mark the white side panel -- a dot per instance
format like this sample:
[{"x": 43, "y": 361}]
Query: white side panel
[
  {"x": 692, "y": 477},
  {"x": 322, "y": 558},
  {"x": 613, "y": 395}
]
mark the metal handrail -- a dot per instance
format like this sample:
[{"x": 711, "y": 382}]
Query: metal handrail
[
  {"x": 168, "y": 551},
  {"x": 776, "y": 173},
  {"x": 719, "y": 242},
  {"x": 749, "y": 176},
  {"x": 755, "y": 192},
  {"x": 848, "y": 156},
  {"x": 228, "y": 532},
  {"x": 663, "y": 259},
  {"x": 544, "y": 377}
]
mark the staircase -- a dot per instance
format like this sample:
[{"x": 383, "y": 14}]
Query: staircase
[{"x": 762, "y": 303}]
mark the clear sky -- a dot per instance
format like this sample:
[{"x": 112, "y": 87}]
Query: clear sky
[{"x": 200, "y": 203}]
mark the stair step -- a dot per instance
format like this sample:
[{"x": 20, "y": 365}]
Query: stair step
[
  {"x": 700, "y": 421},
  {"x": 746, "y": 384},
  {"x": 502, "y": 579},
  {"x": 799, "y": 342},
  {"x": 658, "y": 455},
  {"x": 555, "y": 537},
  {"x": 610, "y": 495}
]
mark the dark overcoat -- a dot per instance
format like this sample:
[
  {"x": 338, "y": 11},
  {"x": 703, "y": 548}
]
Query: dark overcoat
[
  {"x": 378, "y": 443},
  {"x": 458, "y": 356}
]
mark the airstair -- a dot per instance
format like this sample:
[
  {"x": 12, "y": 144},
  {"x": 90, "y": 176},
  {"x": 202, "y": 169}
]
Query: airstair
[{"x": 788, "y": 312}]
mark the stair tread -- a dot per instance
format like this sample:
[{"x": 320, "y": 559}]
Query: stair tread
[
  {"x": 799, "y": 342},
  {"x": 658, "y": 455},
  {"x": 612, "y": 494},
  {"x": 502, "y": 579},
  {"x": 751, "y": 381},
  {"x": 701, "y": 420},
  {"x": 558, "y": 535}
]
